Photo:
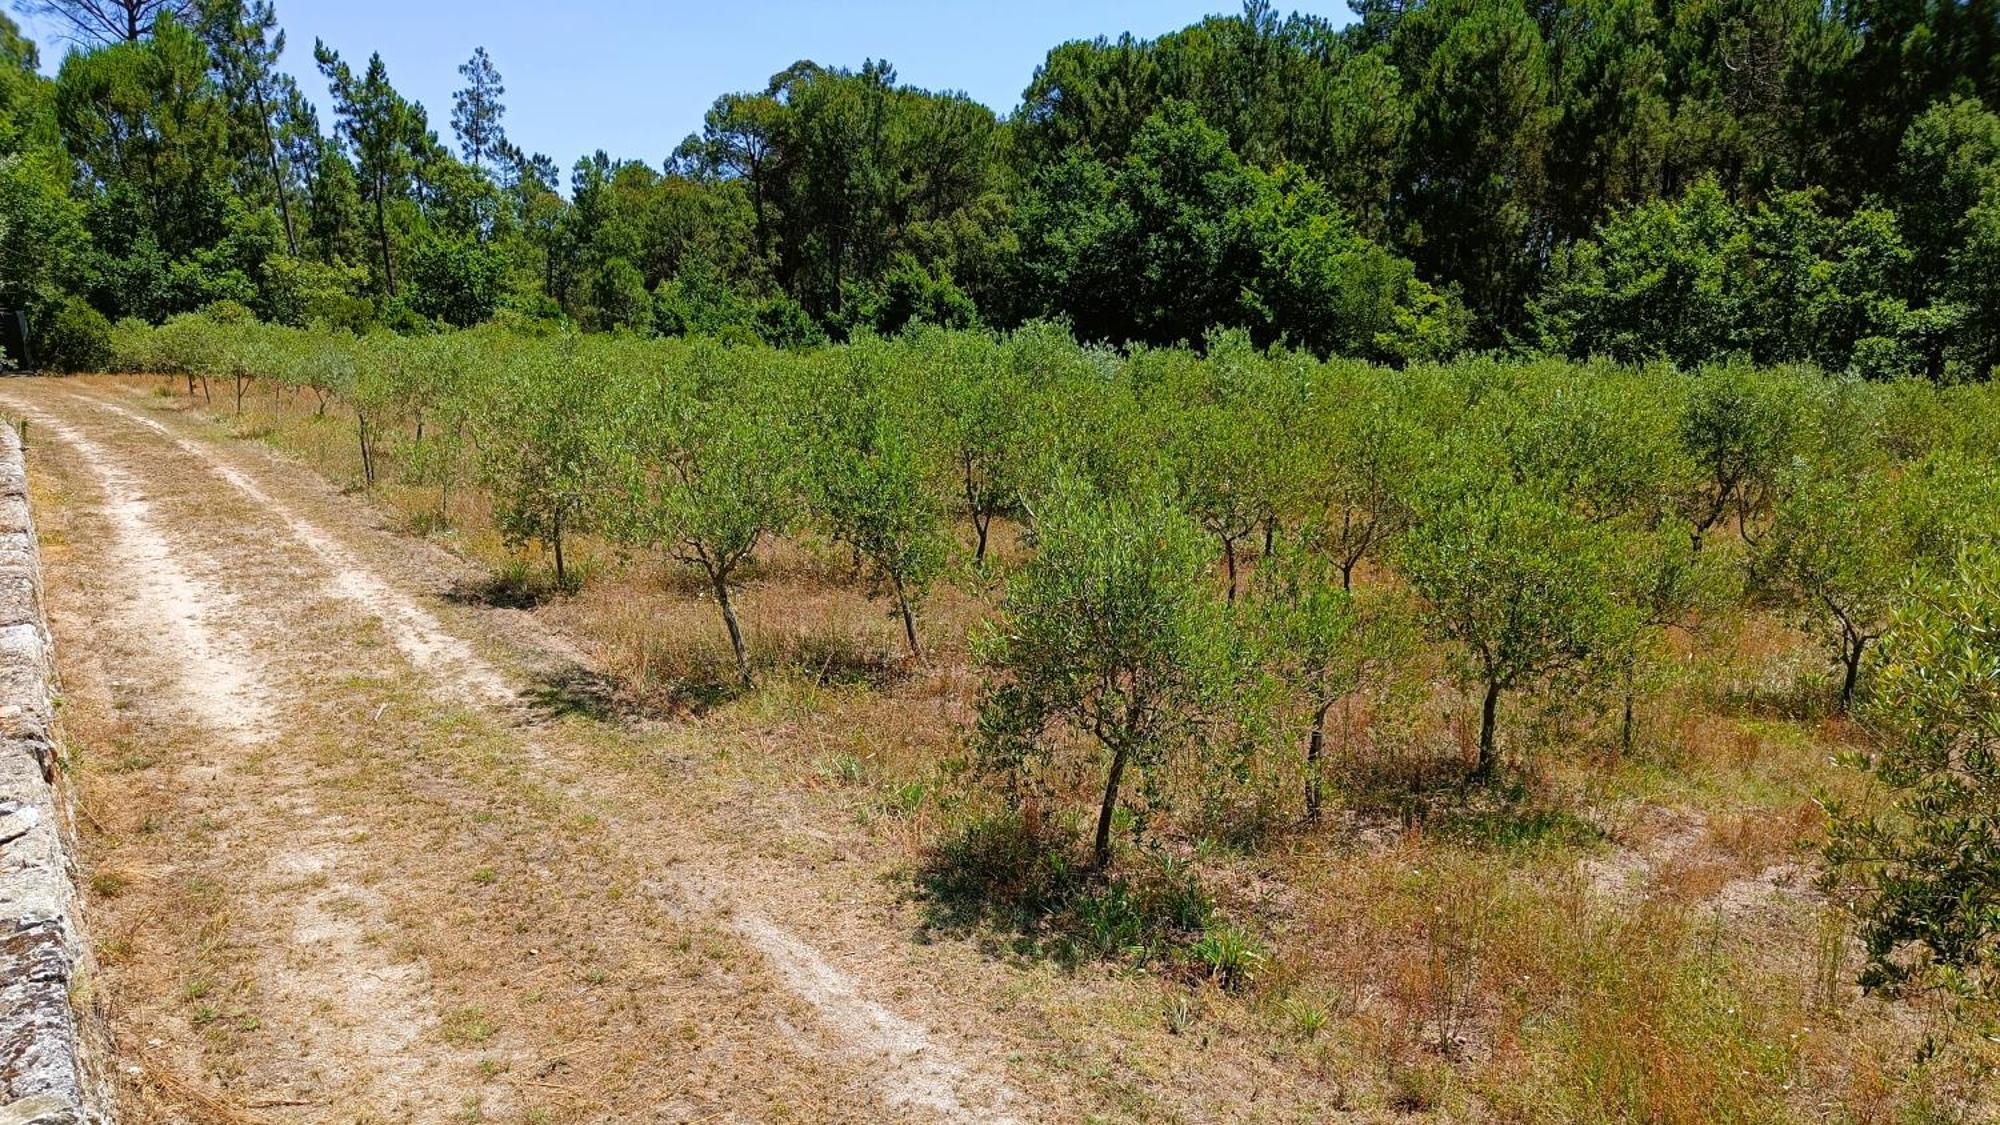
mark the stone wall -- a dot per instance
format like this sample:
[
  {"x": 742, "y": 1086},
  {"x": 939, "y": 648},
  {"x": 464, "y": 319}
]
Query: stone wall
[{"x": 42, "y": 1073}]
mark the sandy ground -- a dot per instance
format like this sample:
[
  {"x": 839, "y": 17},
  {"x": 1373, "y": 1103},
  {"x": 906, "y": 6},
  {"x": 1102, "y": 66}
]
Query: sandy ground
[{"x": 341, "y": 873}]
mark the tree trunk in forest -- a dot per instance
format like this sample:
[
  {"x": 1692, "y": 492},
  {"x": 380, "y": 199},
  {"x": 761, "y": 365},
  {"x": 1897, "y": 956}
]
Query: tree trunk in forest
[
  {"x": 277, "y": 173},
  {"x": 382, "y": 237}
]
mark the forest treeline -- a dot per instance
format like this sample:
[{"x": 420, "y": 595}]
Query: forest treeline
[
  {"x": 1782, "y": 180},
  {"x": 1212, "y": 548}
]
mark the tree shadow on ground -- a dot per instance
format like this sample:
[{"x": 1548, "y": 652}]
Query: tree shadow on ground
[
  {"x": 502, "y": 590},
  {"x": 574, "y": 691}
]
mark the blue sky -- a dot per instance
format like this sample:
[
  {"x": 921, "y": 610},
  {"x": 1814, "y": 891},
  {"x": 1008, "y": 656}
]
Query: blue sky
[{"x": 633, "y": 77}]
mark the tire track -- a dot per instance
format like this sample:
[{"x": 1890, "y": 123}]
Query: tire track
[
  {"x": 416, "y": 633},
  {"x": 317, "y": 915},
  {"x": 215, "y": 677}
]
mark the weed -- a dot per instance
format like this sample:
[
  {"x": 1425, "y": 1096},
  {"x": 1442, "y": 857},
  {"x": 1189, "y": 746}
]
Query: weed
[
  {"x": 1109, "y": 922},
  {"x": 845, "y": 769},
  {"x": 1231, "y": 955},
  {"x": 1019, "y": 872},
  {"x": 1307, "y": 1019},
  {"x": 1512, "y": 827},
  {"x": 468, "y": 1027},
  {"x": 909, "y": 797}
]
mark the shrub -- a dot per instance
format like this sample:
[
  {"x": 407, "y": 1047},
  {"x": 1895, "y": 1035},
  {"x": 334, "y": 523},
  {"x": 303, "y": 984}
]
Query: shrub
[
  {"x": 1008, "y": 862},
  {"x": 72, "y": 336}
]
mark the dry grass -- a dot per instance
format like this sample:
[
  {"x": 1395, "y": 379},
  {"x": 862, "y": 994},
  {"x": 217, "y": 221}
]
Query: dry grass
[{"x": 1425, "y": 957}]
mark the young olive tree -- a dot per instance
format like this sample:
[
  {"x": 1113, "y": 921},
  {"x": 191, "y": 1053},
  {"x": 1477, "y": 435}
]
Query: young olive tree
[
  {"x": 1517, "y": 582},
  {"x": 980, "y": 401},
  {"x": 1838, "y": 551},
  {"x": 1216, "y": 443},
  {"x": 1319, "y": 641},
  {"x": 1660, "y": 579},
  {"x": 1601, "y": 439},
  {"x": 704, "y": 466},
  {"x": 385, "y": 366},
  {"x": 1846, "y": 537},
  {"x": 1738, "y": 427},
  {"x": 541, "y": 447},
  {"x": 449, "y": 383},
  {"x": 1308, "y": 627},
  {"x": 1361, "y": 473},
  {"x": 1922, "y": 871},
  {"x": 1109, "y": 633},
  {"x": 875, "y": 480}
]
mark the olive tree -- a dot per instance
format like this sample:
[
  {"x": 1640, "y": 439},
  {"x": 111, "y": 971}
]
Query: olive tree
[
  {"x": 1660, "y": 580},
  {"x": 1847, "y": 535},
  {"x": 704, "y": 467},
  {"x": 541, "y": 446},
  {"x": 875, "y": 480},
  {"x": 1319, "y": 640},
  {"x": 1110, "y": 634},
  {"x": 1360, "y": 473},
  {"x": 979, "y": 400},
  {"x": 1838, "y": 550},
  {"x": 1922, "y": 870},
  {"x": 447, "y": 387},
  {"x": 1513, "y": 579},
  {"x": 1220, "y": 447},
  {"x": 1738, "y": 427}
]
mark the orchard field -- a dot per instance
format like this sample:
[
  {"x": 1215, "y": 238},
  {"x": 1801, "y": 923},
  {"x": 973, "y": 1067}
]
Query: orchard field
[
  {"x": 1438, "y": 561},
  {"x": 1242, "y": 736}
]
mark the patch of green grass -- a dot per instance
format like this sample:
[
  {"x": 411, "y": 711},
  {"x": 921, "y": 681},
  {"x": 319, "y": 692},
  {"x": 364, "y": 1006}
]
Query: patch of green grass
[
  {"x": 1231, "y": 955},
  {"x": 468, "y": 1027},
  {"x": 1515, "y": 827}
]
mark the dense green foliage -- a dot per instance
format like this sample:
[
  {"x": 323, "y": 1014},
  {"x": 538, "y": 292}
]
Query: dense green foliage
[
  {"x": 1925, "y": 870},
  {"x": 1786, "y": 182}
]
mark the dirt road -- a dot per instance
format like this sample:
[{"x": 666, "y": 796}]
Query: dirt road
[{"x": 340, "y": 871}]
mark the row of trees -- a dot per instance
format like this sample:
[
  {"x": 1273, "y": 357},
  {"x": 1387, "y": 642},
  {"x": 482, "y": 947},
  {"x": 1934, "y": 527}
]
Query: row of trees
[
  {"x": 1788, "y": 181},
  {"x": 1223, "y": 542}
]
